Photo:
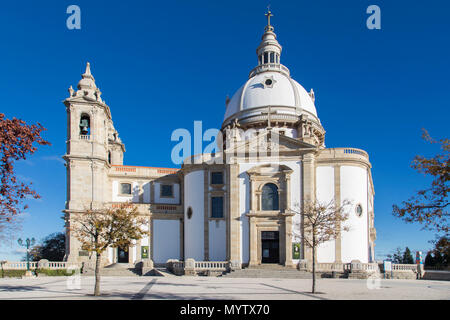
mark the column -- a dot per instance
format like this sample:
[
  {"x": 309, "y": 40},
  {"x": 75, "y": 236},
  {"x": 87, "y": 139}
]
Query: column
[
  {"x": 253, "y": 242},
  {"x": 337, "y": 201},
  {"x": 288, "y": 241},
  {"x": 234, "y": 234},
  {"x": 309, "y": 191}
]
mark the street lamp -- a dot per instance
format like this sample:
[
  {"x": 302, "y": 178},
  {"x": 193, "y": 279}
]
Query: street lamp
[{"x": 28, "y": 243}]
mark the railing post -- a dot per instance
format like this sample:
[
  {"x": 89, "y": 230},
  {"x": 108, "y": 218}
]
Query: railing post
[
  {"x": 189, "y": 267},
  {"x": 43, "y": 264}
]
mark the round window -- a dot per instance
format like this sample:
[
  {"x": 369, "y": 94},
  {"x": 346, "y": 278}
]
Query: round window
[
  {"x": 269, "y": 82},
  {"x": 359, "y": 210}
]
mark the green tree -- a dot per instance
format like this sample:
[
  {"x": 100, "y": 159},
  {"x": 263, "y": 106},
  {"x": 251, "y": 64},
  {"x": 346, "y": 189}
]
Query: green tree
[
  {"x": 52, "y": 248},
  {"x": 430, "y": 206},
  {"x": 396, "y": 256},
  {"x": 407, "y": 257},
  {"x": 429, "y": 260},
  {"x": 442, "y": 246},
  {"x": 99, "y": 229}
]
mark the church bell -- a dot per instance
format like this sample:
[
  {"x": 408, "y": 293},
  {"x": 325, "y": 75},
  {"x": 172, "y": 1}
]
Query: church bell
[{"x": 84, "y": 126}]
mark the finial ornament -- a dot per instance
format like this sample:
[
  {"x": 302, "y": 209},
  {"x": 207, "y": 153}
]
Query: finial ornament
[{"x": 268, "y": 15}]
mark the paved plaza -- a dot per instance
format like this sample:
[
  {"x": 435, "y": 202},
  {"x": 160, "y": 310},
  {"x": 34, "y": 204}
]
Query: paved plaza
[{"x": 198, "y": 288}]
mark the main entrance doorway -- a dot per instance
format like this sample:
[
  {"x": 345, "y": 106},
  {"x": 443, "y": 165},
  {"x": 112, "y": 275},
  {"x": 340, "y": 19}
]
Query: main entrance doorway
[
  {"x": 270, "y": 247},
  {"x": 122, "y": 255}
]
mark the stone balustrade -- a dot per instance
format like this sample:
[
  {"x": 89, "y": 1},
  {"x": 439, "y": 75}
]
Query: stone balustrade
[
  {"x": 190, "y": 267},
  {"x": 135, "y": 171},
  {"x": 42, "y": 264},
  {"x": 404, "y": 267},
  {"x": 211, "y": 265}
]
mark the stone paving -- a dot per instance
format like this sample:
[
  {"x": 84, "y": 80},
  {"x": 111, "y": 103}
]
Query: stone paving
[{"x": 199, "y": 288}]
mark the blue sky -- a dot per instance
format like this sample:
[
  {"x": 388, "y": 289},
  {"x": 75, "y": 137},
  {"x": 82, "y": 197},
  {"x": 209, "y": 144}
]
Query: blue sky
[{"x": 162, "y": 65}]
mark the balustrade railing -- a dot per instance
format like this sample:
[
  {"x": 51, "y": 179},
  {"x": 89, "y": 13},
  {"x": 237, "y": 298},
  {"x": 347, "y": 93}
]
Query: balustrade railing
[
  {"x": 211, "y": 265},
  {"x": 404, "y": 267},
  {"x": 22, "y": 265},
  {"x": 85, "y": 137}
]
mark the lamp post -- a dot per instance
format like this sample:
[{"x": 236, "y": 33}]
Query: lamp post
[{"x": 28, "y": 243}]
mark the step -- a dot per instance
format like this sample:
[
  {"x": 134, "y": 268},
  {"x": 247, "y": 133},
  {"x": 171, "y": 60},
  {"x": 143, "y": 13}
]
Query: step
[{"x": 257, "y": 272}]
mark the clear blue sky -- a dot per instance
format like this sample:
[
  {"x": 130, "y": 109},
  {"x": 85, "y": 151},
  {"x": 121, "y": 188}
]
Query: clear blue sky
[{"x": 162, "y": 65}]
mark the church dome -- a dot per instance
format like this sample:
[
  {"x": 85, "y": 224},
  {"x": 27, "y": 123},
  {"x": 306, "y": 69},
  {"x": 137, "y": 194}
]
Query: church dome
[{"x": 270, "y": 90}]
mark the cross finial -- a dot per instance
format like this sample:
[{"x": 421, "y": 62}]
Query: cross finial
[{"x": 268, "y": 15}]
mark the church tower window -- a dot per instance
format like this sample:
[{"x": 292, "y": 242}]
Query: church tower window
[
  {"x": 270, "y": 201},
  {"x": 85, "y": 125}
]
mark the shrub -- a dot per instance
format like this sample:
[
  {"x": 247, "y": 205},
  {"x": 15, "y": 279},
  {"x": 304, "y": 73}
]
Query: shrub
[
  {"x": 12, "y": 273},
  {"x": 55, "y": 272}
]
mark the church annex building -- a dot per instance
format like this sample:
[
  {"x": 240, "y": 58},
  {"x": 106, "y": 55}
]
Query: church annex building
[{"x": 241, "y": 210}]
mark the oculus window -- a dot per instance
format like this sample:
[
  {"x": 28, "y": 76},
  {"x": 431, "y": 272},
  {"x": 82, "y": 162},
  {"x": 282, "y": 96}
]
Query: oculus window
[{"x": 359, "y": 210}]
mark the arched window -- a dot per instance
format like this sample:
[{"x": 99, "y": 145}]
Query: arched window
[
  {"x": 189, "y": 212},
  {"x": 109, "y": 157},
  {"x": 85, "y": 125},
  {"x": 270, "y": 197}
]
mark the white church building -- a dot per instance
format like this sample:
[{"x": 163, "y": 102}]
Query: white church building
[{"x": 238, "y": 205}]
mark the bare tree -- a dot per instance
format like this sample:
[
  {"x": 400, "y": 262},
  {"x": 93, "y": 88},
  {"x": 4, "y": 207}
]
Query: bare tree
[
  {"x": 99, "y": 229},
  {"x": 319, "y": 222}
]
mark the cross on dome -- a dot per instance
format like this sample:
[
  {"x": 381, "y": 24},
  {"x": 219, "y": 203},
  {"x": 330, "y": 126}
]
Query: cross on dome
[{"x": 268, "y": 15}]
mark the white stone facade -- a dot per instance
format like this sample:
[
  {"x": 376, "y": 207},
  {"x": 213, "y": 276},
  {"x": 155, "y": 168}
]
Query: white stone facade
[{"x": 225, "y": 211}]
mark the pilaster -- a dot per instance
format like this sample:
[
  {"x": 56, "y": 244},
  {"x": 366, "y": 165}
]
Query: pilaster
[{"x": 337, "y": 201}]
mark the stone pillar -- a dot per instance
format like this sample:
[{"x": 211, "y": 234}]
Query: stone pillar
[
  {"x": 189, "y": 267},
  {"x": 309, "y": 191},
  {"x": 337, "y": 201},
  {"x": 253, "y": 242},
  {"x": 206, "y": 209},
  {"x": 147, "y": 267},
  {"x": 288, "y": 241},
  {"x": 288, "y": 194},
  {"x": 234, "y": 235}
]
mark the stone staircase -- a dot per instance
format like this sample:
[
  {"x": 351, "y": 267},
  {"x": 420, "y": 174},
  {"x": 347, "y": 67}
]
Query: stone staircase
[
  {"x": 269, "y": 271},
  {"x": 116, "y": 269}
]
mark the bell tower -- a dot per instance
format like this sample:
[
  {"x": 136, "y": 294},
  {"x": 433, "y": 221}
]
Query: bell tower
[{"x": 92, "y": 146}]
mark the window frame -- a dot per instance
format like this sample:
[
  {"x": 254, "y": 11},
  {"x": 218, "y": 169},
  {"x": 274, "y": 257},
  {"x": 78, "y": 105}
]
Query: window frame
[
  {"x": 161, "y": 196},
  {"x": 125, "y": 194},
  {"x": 277, "y": 197},
  {"x": 212, "y": 206},
  {"x": 217, "y": 184}
]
